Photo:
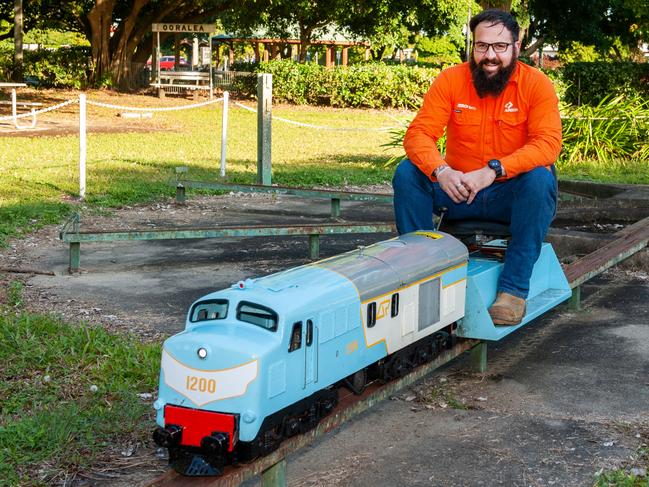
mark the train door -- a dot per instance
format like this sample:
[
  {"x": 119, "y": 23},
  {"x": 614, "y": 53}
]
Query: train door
[
  {"x": 304, "y": 348},
  {"x": 310, "y": 352}
]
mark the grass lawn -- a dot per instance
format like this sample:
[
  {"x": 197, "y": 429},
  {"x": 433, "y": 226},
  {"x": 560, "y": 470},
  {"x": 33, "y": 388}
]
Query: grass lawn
[
  {"x": 40, "y": 174},
  {"x": 71, "y": 395}
]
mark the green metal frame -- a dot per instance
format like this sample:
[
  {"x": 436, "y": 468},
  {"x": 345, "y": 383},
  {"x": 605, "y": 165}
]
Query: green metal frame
[
  {"x": 72, "y": 235},
  {"x": 335, "y": 196}
]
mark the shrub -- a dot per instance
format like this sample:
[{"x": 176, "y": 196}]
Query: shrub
[
  {"x": 373, "y": 85},
  {"x": 58, "y": 68},
  {"x": 589, "y": 83},
  {"x": 65, "y": 67},
  {"x": 439, "y": 51},
  {"x": 617, "y": 128}
]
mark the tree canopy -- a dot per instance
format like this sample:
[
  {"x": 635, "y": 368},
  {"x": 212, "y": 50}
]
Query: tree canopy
[{"x": 119, "y": 30}]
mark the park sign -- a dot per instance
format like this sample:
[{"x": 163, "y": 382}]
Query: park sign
[{"x": 183, "y": 28}]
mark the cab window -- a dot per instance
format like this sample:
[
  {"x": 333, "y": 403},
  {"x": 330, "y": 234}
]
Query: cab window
[
  {"x": 296, "y": 337},
  {"x": 256, "y": 314},
  {"x": 371, "y": 314},
  {"x": 213, "y": 309}
]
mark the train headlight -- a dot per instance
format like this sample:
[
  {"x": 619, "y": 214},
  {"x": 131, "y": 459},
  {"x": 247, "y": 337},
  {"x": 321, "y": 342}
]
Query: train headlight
[{"x": 202, "y": 353}]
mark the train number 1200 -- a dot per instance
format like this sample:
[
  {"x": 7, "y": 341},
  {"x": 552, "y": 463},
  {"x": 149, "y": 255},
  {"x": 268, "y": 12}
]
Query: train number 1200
[{"x": 200, "y": 384}]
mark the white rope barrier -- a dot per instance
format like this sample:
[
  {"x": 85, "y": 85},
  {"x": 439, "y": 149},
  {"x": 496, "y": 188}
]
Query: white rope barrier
[
  {"x": 322, "y": 127},
  {"x": 43, "y": 110},
  {"x": 142, "y": 109}
]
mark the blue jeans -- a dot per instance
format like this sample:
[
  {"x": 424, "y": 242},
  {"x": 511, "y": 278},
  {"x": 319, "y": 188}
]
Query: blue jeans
[{"x": 527, "y": 203}]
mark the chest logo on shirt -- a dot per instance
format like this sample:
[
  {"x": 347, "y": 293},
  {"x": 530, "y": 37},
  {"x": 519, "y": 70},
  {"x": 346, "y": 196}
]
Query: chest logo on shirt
[
  {"x": 466, "y": 107},
  {"x": 510, "y": 108}
]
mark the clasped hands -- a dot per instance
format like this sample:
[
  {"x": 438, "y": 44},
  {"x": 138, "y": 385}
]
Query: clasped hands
[{"x": 464, "y": 186}]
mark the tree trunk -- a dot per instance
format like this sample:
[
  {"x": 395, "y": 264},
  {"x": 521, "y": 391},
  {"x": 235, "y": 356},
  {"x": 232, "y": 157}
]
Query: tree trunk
[
  {"x": 120, "y": 63},
  {"x": 305, "y": 41},
  {"x": 377, "y": 54},
  {"x": 18, "y": 41},
  {"x": 100, "y": 19}
]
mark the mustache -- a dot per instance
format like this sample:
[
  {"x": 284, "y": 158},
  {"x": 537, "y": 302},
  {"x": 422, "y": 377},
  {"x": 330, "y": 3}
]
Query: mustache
[{"x": 494, "y": 62}]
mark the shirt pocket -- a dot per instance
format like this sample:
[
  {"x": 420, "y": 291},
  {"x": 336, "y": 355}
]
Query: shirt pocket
[
  {"x": 465, "y": 130},
  {"x": 512, "y": 132}
]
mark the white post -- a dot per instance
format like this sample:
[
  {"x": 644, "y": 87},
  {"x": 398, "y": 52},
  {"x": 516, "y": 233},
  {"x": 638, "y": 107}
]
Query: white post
[
  {"x": 224, "y": 131},
  {"x": 82, "y": 146},
  {"x": 264, "y": 127},
  {"x": 194, "y": 52}
]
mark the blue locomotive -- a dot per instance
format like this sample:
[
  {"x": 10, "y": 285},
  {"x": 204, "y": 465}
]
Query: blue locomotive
[{"x": 263, "y": 360}]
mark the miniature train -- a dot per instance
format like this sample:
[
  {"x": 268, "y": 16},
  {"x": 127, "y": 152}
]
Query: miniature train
[{"x": 263, "y": 360}]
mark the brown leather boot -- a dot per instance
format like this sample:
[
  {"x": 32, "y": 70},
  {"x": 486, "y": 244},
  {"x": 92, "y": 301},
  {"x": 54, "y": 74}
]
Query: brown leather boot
[{"x": 507, "y": 310}]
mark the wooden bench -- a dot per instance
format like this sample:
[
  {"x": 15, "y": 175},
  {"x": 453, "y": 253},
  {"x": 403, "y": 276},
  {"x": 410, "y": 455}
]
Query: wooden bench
[{"x": 181, "y": 81}]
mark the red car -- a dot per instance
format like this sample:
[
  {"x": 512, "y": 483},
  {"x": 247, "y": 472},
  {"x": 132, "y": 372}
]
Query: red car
[{"x": 167, "y": 63}]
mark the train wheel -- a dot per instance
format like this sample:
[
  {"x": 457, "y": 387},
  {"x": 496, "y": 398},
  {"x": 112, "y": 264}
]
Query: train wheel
[
  {"x": 423, "y": 354},
  {"x": 356, "y": 382},
  {"x": 398, "y": 367}
]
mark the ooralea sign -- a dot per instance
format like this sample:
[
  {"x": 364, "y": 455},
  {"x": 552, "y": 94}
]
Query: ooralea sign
[{"x": 183, "y": 28}]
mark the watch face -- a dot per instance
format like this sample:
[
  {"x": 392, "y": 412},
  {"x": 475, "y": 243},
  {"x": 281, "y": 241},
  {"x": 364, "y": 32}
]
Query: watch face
[{"x": 496, "y": 166}]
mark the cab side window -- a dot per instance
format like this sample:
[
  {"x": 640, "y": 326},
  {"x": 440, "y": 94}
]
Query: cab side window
[
  {"x": 371, "y": 314},
  {"x": 394, "y": 309},
  {"x": 296, "y": 337}
]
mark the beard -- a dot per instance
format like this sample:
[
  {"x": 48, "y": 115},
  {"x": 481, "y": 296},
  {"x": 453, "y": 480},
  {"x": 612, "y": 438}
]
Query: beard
[{"x": 493, "y": 85}]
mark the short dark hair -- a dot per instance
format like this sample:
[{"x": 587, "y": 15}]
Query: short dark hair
[{"x": 496, "y": 16}]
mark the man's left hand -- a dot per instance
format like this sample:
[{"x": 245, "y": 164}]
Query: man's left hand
[{"x": 476, "y": 181}]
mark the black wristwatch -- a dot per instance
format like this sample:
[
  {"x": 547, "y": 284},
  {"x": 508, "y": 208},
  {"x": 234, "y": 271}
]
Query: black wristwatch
[{"x": 496, "y": 166}]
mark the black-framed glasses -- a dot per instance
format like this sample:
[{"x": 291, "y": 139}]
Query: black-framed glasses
[{"x": 498, "y": 47}]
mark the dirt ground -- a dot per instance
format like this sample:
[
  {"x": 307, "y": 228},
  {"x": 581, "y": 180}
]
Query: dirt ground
[{"x": 65, "y": 120}]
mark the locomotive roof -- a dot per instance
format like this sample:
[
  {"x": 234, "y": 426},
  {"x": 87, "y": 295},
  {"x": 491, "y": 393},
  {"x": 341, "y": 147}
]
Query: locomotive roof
[{"x": 373, "y": 270}]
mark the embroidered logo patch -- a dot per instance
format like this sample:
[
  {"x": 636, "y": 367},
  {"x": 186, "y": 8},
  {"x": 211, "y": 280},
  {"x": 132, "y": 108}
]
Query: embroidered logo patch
[{"x": 510, "y": 108}]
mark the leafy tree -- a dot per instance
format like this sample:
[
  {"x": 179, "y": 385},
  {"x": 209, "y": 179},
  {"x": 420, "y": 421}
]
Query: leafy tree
[
  {"x": 606, "y": 24},
  {"x": 38, "y": 14}
]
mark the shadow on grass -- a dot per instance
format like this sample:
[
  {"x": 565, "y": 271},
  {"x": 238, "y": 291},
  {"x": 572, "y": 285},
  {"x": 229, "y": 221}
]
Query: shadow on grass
[{"x": 142, "y": 182}]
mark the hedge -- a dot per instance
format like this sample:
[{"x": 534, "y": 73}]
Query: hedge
[
  {"x": 372, "y": 85},
  {"x": 65, "y": 67},
  {"x": 591, "y": 82}
]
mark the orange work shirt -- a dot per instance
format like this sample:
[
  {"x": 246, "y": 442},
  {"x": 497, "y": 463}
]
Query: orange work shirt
[{"x": 521, "y": 127}]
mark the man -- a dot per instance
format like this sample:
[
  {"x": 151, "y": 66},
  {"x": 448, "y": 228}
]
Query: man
[{"x": 503, "y": 135}]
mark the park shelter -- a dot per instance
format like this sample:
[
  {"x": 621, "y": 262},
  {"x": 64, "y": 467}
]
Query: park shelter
[{"x": 277, "y": 47}]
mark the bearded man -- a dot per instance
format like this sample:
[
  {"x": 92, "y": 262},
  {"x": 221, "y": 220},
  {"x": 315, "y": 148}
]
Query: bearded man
[{"x": 503, "y": 135}]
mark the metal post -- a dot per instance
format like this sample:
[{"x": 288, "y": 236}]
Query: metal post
[
  {"x": 181, "y": 196},
  {"x": 335, "y": 207},
  {"x": 479, "y": 357},
  {"x": 275, "y": 476},
  {"x": 314, "y": 246},
  {"x": 82, "y": 146},
  {"x": 75, "y": 257},
  {"x": 209, "y": 39},
  {"x": 224, "y": 131},
  {"x": 264, "y": 104},
  {"x": 574, "y": 303}
]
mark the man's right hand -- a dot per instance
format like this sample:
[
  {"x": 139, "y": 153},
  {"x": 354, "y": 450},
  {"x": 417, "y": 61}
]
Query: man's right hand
[{"x": 450, "y": 181}]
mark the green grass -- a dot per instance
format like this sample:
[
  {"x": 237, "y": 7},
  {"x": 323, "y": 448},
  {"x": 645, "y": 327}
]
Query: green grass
[
  {"x": 623, "y": 477},
  {"x": 40, "y": 174},
  {"x": 50, "y": 418},
  {"x": 620, "y": 478}
]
